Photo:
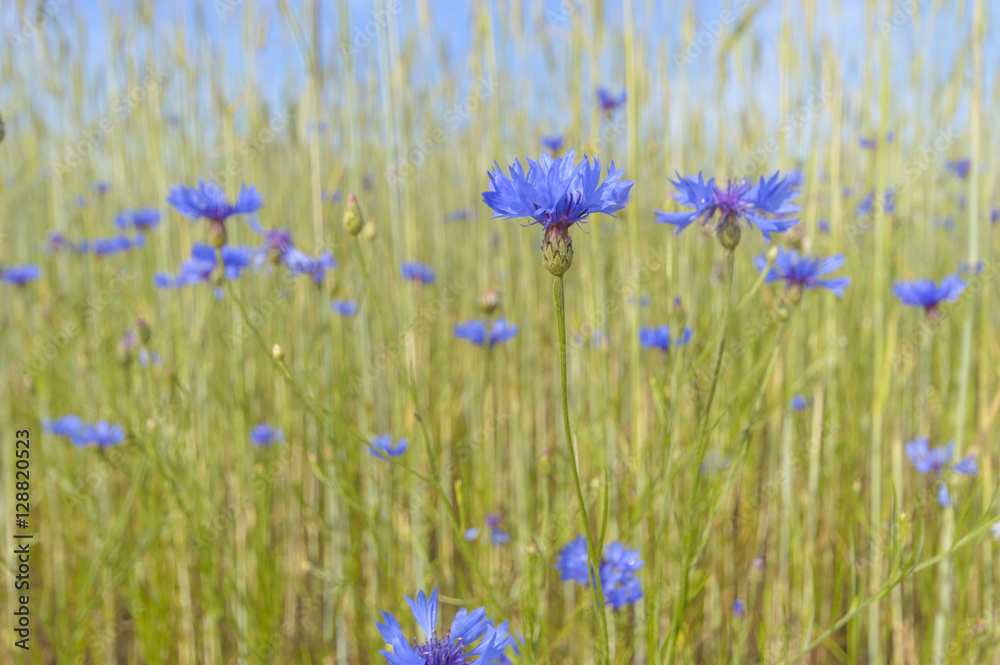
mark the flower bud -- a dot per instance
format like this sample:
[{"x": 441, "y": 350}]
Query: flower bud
[
  {"x": 729, "y": 235},
  {"x": 277, "y": 353},
  {"x": 772, "y": 253},
  {"x": 368, "y": 233},
  {"x": 557, "y": 251},
  {"x": 489, "y": 300},
  {"x": 795, "y": 294},
  {"x": 353, "y": 217},
  {"x": 783, "y": 312},
  {"x": 217, "y": 236}
]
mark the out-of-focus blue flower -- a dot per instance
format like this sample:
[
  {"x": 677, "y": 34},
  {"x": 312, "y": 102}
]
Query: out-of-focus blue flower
[
  {"x": 344, "y": 307},
  {"x": 929, "y": 460},
  {"x": 101, "y": 187},
  {"x": 20, "y": 275},
  {"x": 277, "y": 242},
  {"x": 641, "y": 302},
  {"x": 804, "y": 271},
  {"x": 823, "y": 226},
  {"x": 471, "y": 534},
  {"x": 208, "y": 201},
  {"x": 659, "y": 337},
  {"x": 383, "y": 447},
  {"x": 472, "y": 638},
  {"x": 143, "y": 219},
  {"x": 739, "y": 609},
  {"x": 417, "y": 272},
  {"x": 80, "y": 200},
  {"x": 867, "y": 205},
  {"x": 925, "y": 293},
  {"x": 459, "y": 215},
  {"x": 203, "y": 262},
  {"x": 57, "y": 242},
  {"x": 867, "y": 144},
  {"x": 608, "y": 100},
  {"x": 968, "y": 269},
  {"x": 967, "y": 466},
  {"x": 944, "y": 499},
  {"x": 766, "y": 205},
  {"x": 263, "y": 434},
  {"x": 799, "y": 403},
  {"x": 300, "y": 263},
  {"x": 554, "y": 193},
  {"x": 618, "y": 575},
  {"x": 108, "y": 246},
  {"x": 497, "y": 535},
  {"x": 102, "y": 434},
  {"x": 617, "y": 570},
  {"x": 960, "y": 167},
  {"x": 331, "y": 197},
  {"x": 552, "y": 143},
  {"x": 475, "y": 332}
]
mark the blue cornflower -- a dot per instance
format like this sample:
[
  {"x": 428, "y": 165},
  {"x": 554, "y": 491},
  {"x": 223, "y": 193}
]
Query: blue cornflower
[
  {"x": 263, "y": 434},
  {"x": 799, "y": 403},
  {"x": 867, "y": 205},
  {"x": 765, "y": 205},
  {"x": 20, "y": 275},
  {"x": 56, "y": 242},
  {"x": 101, "y": 187},
  {"x": 554, "y": 193},
  {"x": 67, "y": 426},
  {"x": 739, "y": 609},
  {"x": 300, "y": 263},
  {"x": 472, "y": 638},
  {"x": 202, "y": 264},
  {"x": 659, "y": 337},
  {"x": 960, "y": 167},
  {"x": 608, "y": 100},
  {"x": 804, "y": 272},
  {"x": 934, "y": 461},
  {"x": 867, "y": 144},
  {"x": 383, "y": 447},
  {"x": 208, "y": 201},
  {"x": 277, "y": 242},
  {"x": 475, "y": 332},
  {"x": 107, "y": 246},
  {"x": 417, "y": 272},
  {"x": 344, "y": 307},
  {"x": 102, "y": 434},
  {"x": 616, "y": 570},
  {"x": 823, "y": 226},
  {"x": 925, "y": 293},
  {"x": 471, "y": 534},
  {"x": 331, "y": 197},
  {"x": 618, "y": 575},
  {"x": 460, "y": 215},
  {"x": 497, "y": 535},
  {"x": 553, "y": 143},
  {"x": 143, "y": 219}
]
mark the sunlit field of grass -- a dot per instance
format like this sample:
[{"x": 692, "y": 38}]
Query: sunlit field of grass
[{"x": 764, "y": 472}]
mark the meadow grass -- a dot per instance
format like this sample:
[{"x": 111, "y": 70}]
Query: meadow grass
[{"x": 188, "y": 544}]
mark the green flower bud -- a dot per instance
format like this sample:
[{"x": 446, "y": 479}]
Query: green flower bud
[
  {"x": 557, "y": 252},
  {"x": 353, "y": 218}
]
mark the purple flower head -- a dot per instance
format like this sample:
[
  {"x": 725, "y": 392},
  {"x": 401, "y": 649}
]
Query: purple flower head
[
  {"x": 497, "y": 535},
  {"x": 572, "y": 562},
  {"x": 413, "y": 271},
  {"x": 739, "y": 609},
  {"x": 925, "y": 293},
  {"x": 552, "y": 143},
  {"x": 208, "y": 201},
  {"x": 344, "y": 307},
  {"x": 471, "y": 534},
  {"x": 20, "y": 275},
  {"x": 823, "y": 226},
  {"x": 799, "y": 403},
  {"x": 960, "y": 167},
  {"x": 554, "y": 193},
  {"x": 765, "y": 205},
  {"x": 276, "y": 241},
  {"x": 608, "y": 100},
  {"x": 475, "y": 332},
  {"x": 472, "y": 638},
  {"x": 143, "y": 219},
  {"x": 67, "y": 426},
  {"x": 384, "y": 448},
  {"x": 659, "y": 337},
  {"x": 331, "y": 197},
  {"x": 867, "y": 144},
  {"x": 56, "y": 242},
  {"x": 460, "y": 215},
  {"x": 967, "y": 466},
  {"x": 101, "y": 187},
  {"x": 929, "y": 460},
  {"x": 804, "y": 271},
  {"x": 102, "y": 434},
  {"x": 263, "y": 435}
]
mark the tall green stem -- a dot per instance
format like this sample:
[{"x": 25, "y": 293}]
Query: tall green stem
[{"x": 593, "y": 545}]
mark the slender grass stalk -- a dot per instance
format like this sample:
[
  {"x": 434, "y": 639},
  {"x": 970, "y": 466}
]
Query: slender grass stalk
[{"x": 593, "y": 545}]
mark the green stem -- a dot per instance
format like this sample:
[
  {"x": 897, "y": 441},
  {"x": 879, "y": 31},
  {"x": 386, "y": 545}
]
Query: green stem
[{"x": 594, "y": 546}]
